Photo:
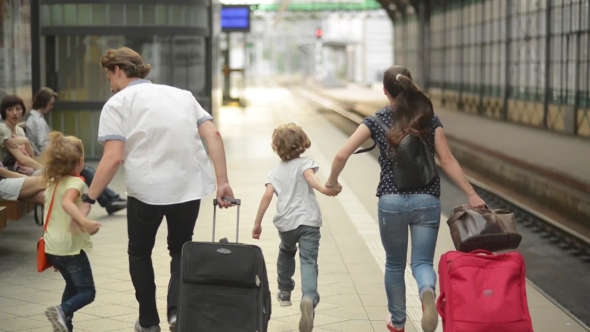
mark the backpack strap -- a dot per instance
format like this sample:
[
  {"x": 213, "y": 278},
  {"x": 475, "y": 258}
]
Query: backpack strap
[
  {"x": 366, "y": 149},
  {"x": 382, "y": 125},
  {"x": 380, "y": 122}
]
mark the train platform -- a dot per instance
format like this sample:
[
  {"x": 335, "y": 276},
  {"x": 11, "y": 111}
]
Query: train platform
[
  {"x": 558, "y": 153},
  {"x": 351, "y": 258},
  {"x": 539, "y": 167}
]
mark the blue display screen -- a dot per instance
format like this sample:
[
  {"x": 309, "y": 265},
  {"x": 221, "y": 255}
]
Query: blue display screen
[{"x": 235, "y": 18}]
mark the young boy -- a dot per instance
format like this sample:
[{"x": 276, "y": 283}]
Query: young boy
[{"x": 298, "y": 217}]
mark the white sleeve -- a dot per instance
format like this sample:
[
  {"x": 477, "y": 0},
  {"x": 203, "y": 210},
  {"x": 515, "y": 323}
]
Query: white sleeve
[
  {"x": 308, "y": 163},
  {"x": 111, "y": 124},
  {"x": 269, "y": 178},
  {"x": 202, "y": 115}
]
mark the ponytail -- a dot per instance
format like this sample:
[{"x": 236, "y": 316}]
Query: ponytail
[{"x": 413, "y": 112}]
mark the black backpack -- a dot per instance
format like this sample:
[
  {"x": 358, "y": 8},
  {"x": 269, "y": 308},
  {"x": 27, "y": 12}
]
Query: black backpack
[{"x": 413, "y": 163}]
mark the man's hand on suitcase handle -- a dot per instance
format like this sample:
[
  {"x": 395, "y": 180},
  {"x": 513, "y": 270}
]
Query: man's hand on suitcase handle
[
  {"x": 225, "y": 197},
  {"x": 228, "y": 202}
]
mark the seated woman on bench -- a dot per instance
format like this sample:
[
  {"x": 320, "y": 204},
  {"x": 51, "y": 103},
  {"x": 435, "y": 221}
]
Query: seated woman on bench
[
  {"x": 16, "y": 186},
  {"x": 16, "y": 153}
]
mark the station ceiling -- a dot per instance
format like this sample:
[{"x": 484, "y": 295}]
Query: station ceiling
[{"x": 394, "y": 8}]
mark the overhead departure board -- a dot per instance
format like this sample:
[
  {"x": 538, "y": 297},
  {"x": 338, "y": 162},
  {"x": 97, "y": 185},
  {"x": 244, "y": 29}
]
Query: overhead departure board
[{"x": 235, "y": 18}]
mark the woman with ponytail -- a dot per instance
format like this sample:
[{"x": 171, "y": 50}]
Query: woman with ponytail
[
  {"x": 67, "y": 238},
  {"x": 410, "y": 114}
]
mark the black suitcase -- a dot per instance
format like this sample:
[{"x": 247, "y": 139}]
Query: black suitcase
[{"x": 224, "y": 286}]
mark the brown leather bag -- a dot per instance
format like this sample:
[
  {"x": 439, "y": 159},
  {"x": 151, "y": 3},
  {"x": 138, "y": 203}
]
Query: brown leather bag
[{"x": 482, "y": 228}]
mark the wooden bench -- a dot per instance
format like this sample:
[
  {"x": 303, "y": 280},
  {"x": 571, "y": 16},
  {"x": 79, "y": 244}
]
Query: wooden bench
[
  {"x": 3, "y": 217},
  {"x": 17, "y": 209}
]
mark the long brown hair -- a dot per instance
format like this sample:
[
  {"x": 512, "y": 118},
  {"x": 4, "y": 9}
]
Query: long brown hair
[{"x": 412, "y": 114}]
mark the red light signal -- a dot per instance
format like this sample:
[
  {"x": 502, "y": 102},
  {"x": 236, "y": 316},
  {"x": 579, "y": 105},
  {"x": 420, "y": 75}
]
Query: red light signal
[{"x": 318, "y": 33}]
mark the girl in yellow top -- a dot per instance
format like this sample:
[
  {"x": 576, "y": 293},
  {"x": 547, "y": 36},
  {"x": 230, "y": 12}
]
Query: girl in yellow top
[{"x": 67, "y": 238}]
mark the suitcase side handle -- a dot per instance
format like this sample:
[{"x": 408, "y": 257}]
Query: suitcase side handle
[{"x": 235, "y": 201}]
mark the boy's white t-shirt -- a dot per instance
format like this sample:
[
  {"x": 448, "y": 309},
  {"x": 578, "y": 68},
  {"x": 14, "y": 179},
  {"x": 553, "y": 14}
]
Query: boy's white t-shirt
[{"x": 297, "y": 204}]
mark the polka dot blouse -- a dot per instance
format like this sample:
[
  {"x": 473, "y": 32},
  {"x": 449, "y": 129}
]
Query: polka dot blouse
[{"x": 387, "y": 184}]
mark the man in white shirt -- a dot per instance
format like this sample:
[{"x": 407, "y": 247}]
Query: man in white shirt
[
  {"x": 156, "y": 131},
  {"x": 37, "y": 130}
]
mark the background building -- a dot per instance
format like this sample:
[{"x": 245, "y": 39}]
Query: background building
[{"x": 15, "y": 49}]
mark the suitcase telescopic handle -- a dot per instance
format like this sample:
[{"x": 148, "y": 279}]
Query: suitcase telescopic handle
[{"x": 235, "y": 201}]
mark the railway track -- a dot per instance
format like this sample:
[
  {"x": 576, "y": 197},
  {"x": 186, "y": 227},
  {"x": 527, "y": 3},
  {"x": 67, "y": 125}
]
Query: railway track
[{"x": 547, "y": 230}]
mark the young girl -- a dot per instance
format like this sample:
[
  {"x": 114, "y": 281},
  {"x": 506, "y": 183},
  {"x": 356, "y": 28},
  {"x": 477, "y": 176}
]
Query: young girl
[
  {"x": 67, "y": 238},
  {"x": 298, "y": 217}
]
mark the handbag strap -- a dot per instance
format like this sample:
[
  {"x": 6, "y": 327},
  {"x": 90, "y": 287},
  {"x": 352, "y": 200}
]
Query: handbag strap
[{"x": 50, "y": 208}]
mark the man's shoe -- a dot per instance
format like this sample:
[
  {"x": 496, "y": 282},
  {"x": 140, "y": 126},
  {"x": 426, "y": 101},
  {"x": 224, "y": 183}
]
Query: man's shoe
[
  {"x": 116, "y": 206},
  {"x": 172, "y": 322},
  {"x": 139, "y": 328}
]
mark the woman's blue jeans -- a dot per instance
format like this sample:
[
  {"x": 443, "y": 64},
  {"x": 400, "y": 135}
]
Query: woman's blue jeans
[{"x": 421, "y": 214}]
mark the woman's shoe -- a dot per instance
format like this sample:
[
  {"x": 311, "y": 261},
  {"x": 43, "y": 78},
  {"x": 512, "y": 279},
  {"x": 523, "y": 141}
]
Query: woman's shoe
[
  {"x": 393, "y": 329},
  {"x": 429, "y": 313}
]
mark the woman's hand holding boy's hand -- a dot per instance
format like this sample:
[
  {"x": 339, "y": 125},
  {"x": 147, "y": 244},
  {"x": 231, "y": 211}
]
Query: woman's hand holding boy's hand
[{"x": 333, "y": 189}]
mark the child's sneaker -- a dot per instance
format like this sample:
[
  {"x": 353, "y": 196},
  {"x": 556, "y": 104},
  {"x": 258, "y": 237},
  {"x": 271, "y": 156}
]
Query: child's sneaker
[
  {"x": 307, "y": 315},
  {"x": 284, "y": 298},
  {"x": 57, "y": 319}
]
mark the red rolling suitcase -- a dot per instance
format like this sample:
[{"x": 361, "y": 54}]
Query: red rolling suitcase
[{"x": 483, "y": 292}]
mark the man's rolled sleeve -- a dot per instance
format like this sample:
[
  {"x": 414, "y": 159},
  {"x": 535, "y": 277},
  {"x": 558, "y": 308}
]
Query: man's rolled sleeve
[
  {"x": 111, "y": 125},
  {"x": 202, "y": 115}
]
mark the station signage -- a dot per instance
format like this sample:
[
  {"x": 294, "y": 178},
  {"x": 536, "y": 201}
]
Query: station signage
[{"x": 235, "y": 18}]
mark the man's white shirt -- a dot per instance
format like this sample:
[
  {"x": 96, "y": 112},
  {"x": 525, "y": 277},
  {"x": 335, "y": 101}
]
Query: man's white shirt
[{"x": 165, "y": 160}]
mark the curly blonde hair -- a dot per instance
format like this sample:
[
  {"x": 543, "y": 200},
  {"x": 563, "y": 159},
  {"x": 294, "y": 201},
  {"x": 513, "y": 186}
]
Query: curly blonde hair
[
  {"x": 289, "y": 141},
  {"x": 61, "y": 156}
]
